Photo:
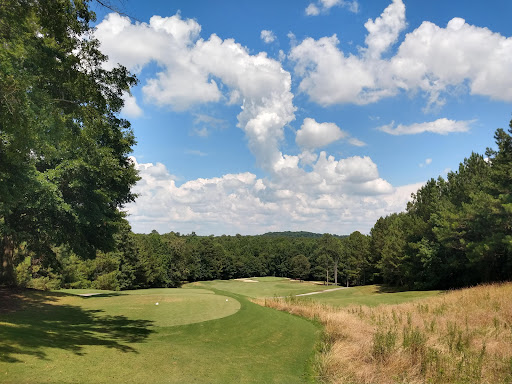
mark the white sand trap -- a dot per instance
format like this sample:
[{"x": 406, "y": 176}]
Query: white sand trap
[
  {"x": 247, "y": 280},
  {"x": 89, "y": 294}
]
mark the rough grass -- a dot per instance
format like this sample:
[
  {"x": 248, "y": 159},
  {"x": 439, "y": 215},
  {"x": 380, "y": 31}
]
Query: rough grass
[
  {"x": 266, "y": 286},
  {"x": 58, "y": 337},
  {"x": 463, "y": 336}
]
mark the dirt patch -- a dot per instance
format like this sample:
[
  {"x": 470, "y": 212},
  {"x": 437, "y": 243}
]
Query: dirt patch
[
  {"x": 10, "y": 300},
  {"x": 14, "y": 299}
]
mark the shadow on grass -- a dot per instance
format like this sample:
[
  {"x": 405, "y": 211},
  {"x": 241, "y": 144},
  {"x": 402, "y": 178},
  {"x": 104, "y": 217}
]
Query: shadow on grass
[
  {"x": 91, "y": 295},
  {"x": 32, "y": 321},
  {"x": 389, "y": 289}
]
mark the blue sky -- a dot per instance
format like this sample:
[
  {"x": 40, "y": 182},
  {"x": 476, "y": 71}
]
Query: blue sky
[{"x": 304, "y": 115}]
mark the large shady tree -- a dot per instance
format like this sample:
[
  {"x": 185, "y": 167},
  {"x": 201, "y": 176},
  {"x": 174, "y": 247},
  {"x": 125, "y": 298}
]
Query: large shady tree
[{"x": 65, "y": 173}]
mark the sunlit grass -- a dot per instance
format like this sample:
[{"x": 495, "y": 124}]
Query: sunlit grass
[
  {"x": 164, "y": 307},
  {"x": 265, "y": 287},
  {"x": 370, "y": 295}
]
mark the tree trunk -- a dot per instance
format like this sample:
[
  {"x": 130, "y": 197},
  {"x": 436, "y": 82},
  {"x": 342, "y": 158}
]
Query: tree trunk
[
  {"x": 327, "y": 276},
  {"x": 7, "y": 276}
]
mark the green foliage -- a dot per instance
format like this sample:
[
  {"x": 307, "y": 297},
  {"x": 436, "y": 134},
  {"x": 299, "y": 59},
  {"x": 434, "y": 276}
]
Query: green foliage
[
  {"x": 24, "y": 272},
  {"x": 456, "y": 232},
  {"x": 300, "y": 267},
  {"x": 64, "y": 167},
  {"x": 45, "y": 283},
  {"x": 328, "y": 256},
  {"x": 384, "y": 343},
  {"x": 357, "y": 254},
  {"x": 393, "y": 259},
  {"x": 107, "y": 281}
]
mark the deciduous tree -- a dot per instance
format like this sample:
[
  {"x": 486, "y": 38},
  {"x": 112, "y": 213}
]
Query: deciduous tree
[{"x": 64, "y": 166}]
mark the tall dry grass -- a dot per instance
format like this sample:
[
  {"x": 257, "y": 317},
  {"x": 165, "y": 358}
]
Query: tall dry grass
[{"x": 463, "y": 336}]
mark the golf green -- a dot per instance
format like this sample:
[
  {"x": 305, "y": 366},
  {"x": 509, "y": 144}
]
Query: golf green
[{"x": 162, "y": 307}]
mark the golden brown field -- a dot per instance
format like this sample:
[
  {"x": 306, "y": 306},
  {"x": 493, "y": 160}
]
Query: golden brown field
[{"x": 463, "y": 336}]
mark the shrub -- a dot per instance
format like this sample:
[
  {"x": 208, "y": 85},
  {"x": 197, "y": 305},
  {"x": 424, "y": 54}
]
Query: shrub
[
  {"x": 107, "y": 281},
  {"x": 45, "y": 283},
  {"x": 24, "y": 272}
]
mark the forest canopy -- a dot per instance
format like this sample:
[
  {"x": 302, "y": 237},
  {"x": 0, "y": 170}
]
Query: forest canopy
[{"x": 65, "y": 173}]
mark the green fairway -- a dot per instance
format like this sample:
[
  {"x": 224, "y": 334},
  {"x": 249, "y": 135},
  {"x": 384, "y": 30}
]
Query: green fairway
[
  {"x": 370, "y": 295},
  {"x": 263, "y": 287},
  {"x": 175, "y": 306},
  {"x": 124, "y": 337}
]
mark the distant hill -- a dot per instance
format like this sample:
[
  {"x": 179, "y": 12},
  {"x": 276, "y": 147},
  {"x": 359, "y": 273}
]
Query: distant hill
[{"x": 297, "y": 234}]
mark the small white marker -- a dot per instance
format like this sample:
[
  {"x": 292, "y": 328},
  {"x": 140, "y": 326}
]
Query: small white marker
[
  {"x": 156, "y": 304},
  {"x": 226, "y": 299}
]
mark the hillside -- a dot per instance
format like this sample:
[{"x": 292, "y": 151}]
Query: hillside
[{"x": 298, "y": 234}]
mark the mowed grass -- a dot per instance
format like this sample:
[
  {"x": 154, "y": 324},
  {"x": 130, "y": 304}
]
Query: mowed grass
[
  {"x": 175, "y": 306},
  {"x": 264, "y": 287},
  {"x": 369, "y": 295},
  {"x": 123, "y": 337}
]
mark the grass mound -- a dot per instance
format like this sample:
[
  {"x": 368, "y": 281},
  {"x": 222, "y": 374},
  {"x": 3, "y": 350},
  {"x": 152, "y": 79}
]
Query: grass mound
[{"x": 463, "y": 336}]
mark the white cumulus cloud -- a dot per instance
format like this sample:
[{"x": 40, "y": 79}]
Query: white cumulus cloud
[
  {"x": 267, "y": 36},
  {"x": 384, "y": 30},
  {"x": 166, "y": 41},
  {"x": 427, "y": 161},
  {"x": 431, "y": 59},
  {"x": 315, "y": 135},
  {"x": 324, "y": 5},
  {"x": 356, "y": 142},
  {"x": 192, "y": 70},
  {"x": 312, "y": 10},
  {"x": 441, "y": 126},
  {"x": 243, "y": 203},
  {"x": 131, "y": 108}
]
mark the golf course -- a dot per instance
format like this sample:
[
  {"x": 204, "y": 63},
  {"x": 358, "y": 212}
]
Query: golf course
[{"x": 208, "y": 332}]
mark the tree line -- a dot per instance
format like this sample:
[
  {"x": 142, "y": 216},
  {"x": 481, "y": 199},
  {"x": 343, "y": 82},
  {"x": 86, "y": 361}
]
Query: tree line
[
  {"x": 455, "y": 232},
  {"x": 167, "y": 260},
  {"x": 65, "y": 176}
]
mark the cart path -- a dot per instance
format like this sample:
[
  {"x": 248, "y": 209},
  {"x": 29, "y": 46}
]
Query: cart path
[
  {"x": 313, "y": 293},
  {"x": 324, "y": 291}
]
